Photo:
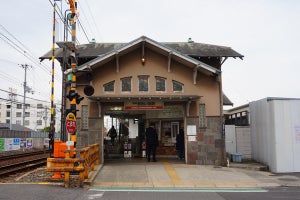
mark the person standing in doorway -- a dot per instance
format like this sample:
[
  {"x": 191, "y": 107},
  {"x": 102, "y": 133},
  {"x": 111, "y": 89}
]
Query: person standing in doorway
[
  {"x": 151, "y": 142},
  {"x": 112, "y": 133},
  {"x": 180, "y": 144}
]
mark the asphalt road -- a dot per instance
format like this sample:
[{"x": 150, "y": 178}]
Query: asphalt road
[{"x": 48, "y": 192}]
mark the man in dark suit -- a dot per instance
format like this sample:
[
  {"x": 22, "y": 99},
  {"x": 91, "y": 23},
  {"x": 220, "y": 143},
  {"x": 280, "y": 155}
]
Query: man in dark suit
[{"x": 151, "y": 142}]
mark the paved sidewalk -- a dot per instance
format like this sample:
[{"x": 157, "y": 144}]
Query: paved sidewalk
[{"x": 175, "y": 174}]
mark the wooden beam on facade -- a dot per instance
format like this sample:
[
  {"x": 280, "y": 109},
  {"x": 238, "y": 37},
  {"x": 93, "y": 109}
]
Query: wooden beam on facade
[
  {"x": 188, "y": 105},
  {"x": 195, "y": 74},
  {"x": 169, "y": 61},
  {"x": 99, "y": 108},
  {"x": 222, "y": 61},
  {"x": 117, "y": 63}
]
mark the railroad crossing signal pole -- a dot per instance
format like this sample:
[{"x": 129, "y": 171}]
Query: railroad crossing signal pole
[
  {"x": 52, "y": 120},
  {"x": 73, "y": 92}
]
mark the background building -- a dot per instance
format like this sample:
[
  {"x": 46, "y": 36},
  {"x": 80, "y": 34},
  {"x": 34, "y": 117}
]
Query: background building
[{"x": 36, "y": 116}]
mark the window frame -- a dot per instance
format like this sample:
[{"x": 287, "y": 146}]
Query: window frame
[
  {"x": 39, "y": 122},
  {"x": 18, "y": 114},
  {"x": 145, "y": 79},
  {"x": 108, "y": 85},
  {"x": 159, "y": 78},
  {"x": 123, "y": 81},
  {"x": 178, "y": 83}
]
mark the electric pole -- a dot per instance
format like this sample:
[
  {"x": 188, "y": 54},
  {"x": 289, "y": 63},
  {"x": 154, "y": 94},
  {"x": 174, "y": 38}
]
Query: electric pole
[{"x": 26, "y": 89}]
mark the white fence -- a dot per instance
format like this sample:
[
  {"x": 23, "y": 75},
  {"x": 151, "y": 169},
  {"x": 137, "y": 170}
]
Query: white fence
[{"x": 238, "y": 140}]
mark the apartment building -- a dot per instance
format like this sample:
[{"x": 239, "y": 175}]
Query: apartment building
[{"x": 36, "y": 114}]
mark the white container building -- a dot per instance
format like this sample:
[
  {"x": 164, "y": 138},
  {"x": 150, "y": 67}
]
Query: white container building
[{"x": 275, "y": 130}]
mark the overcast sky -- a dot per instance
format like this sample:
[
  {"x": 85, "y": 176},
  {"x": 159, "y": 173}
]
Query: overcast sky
[{"x": 266, "y": 32}]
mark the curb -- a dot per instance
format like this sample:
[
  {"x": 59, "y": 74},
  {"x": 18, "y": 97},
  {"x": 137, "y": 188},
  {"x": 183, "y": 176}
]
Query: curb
[{"x": 93, "y": 174}]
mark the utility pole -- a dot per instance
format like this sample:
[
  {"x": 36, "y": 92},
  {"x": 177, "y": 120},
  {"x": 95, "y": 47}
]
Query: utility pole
[
  {"x": 12, "y": 97},
  {"x": 64, "y": 79},
  {"x": 26, "y": 89},
  {"x": 45, "y": 118}
]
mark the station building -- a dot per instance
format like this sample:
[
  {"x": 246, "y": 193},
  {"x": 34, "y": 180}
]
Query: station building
[{"x": 176, "y": 85}]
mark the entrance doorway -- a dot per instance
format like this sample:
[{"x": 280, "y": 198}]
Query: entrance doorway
[
  {"x": 130, "y": 134},
  {"x": 130, "y": 140}
]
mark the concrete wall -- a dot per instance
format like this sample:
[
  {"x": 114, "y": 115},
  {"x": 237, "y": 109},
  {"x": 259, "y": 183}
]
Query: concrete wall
[{"x": 10, "y": 144}]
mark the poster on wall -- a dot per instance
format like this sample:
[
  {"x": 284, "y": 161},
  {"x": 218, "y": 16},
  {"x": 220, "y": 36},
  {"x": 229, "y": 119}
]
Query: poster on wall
[
  {"x": 29, "y": 144},
  {"x": 23, "y": 143},
  {"x": 191, "y": 130},
  {"x": 16, "y": 144},
  {"x": 191, "y": 133},
  {"x": 8, "y": 144},
  {"x": 46, "y": 142},
  {"x": 192, "y": 138},
  {"x": 2, "y": 144}
]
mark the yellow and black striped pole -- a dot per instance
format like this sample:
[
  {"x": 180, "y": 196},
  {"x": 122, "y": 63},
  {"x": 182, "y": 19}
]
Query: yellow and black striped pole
[
  {"x": 73, "y": 8},
  {"x": 52, "y": 122}
]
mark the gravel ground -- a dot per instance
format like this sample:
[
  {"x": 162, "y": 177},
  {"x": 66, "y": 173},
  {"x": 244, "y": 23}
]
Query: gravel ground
[{"x": 39, "y": 175}]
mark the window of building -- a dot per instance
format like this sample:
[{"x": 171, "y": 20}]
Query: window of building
[
  {"x": 39, "y": 106},
  {"x": 7, "y": 121},
  {"x": 84, "y": 116},
  {"x": 26, "y": 122},
  {"x": 169, "y": 131},
  {"x": 27, "y": 106},
  {"x": 27, "y": 114},
  {"x": 8, "y": 106},
  {"x": 39, "y": 114},
  {"x": 238, "y": 118},
  {"x": 126, "y": 84},
  {"x": 19, "y": 106},
  {"x": 160, "y": 83},
  {"x": 18, "y": 122},
  {"x": 177, "y": 86},
  {"x": 39, "y": 122},
  {"x": 109, "y": 87},
  {"x": 143, "y": 83},
  {"x": 202, "y": 116},
  {"x": 7, "y": 113},
  {"x": 18, "y": 114}
]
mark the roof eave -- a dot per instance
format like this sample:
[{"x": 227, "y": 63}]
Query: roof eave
[{"x": 110, "y": 54}]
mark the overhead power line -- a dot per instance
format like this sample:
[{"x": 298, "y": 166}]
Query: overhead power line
[
  {"x": 28, "y": 97},
  {"x": 17, "y": 45}
]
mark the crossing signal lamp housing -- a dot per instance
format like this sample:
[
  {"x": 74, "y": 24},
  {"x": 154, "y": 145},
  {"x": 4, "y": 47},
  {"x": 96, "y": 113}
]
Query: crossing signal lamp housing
[
  {"x": 71, "y": 95},
  {"x": 79, "y": 98},
  {"x": 74, "y": 95},
  {"x": 88, "y": 90}
]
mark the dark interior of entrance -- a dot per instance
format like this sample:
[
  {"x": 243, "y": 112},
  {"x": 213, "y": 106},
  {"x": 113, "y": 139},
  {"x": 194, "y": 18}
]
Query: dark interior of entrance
[{"x": 130, "y": 139}]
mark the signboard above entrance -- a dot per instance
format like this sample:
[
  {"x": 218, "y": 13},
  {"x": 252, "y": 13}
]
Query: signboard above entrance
[{"x": 143, "y": 105}]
